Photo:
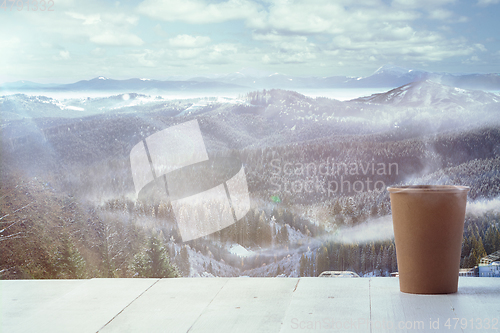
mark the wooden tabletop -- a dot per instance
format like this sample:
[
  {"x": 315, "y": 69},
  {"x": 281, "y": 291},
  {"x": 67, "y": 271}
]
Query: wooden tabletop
[{"x": 245, "y": 305}]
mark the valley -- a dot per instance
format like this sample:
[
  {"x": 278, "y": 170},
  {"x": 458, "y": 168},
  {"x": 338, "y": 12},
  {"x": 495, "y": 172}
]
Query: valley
[{"x": 316, "y": 170}]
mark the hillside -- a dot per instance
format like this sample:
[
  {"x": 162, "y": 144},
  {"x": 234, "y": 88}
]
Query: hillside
[
  {"x": 432, "y": 94},
  {"x": 305, "y": 161}
]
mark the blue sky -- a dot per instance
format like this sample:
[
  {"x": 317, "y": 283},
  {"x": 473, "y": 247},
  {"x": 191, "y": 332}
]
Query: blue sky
[{"x": 164, "y": 39}]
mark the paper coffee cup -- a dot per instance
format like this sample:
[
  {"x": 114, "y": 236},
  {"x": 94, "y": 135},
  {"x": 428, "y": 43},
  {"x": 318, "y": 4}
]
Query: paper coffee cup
[{"x": 428, "y": 229}]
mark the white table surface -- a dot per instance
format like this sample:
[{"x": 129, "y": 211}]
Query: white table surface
[{"x": 244, "y": 305}]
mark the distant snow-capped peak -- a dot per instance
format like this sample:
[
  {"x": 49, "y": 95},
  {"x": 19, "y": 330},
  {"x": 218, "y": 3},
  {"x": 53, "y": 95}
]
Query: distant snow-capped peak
[
  {"x": 428, "y": 93},
  {"x": 393, "y": 70}
]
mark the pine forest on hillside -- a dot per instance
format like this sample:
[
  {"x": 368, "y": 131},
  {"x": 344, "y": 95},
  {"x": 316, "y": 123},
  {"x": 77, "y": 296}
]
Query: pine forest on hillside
[{"x": 316, "y": 168}]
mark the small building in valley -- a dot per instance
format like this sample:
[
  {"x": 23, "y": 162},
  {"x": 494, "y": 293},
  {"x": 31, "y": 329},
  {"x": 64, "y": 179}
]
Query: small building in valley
[{"x": 489, "y": 266}]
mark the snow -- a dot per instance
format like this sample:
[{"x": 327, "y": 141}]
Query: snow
[
  {"x": 62, "y": 106},
  {"x": 190, "y": 109},
  {"x": 240, "y": 251},
  {"x": 392, "y": 69},
  {"x": 199, "y": 264},
  {"x": 229, "y": 100},
  {"x": 102, "y": 78},
  {"x": 138, "y": 100},
  {"x": 73, "y": 108}
]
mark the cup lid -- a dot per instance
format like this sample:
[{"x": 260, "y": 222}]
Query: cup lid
[{"x": 427, "y": 188}]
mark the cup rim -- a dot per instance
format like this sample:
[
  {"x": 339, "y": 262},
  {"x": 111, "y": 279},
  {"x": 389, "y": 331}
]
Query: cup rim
[{"x": 427, "y": 188}]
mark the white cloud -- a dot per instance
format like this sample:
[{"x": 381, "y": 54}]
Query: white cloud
[
  {"x": 419, "y": 48},
  {"x": 159, "y": 31},
  {"x": 306, "y": 18},
  {"x": 487, "y": 2},
  {"x": 105, "y": 29},
  {"x": 222, "y": 53},
  {"x": 87, "y": 19},
  {"x": 358, "y": 30},
  {"x": 440, "y": 14},
  {"x": 186, "y": 54},
  {"x": 187, "y": 41},
  {"x": 192, "y": 57},
  {"x": 147, "y": 58},
  {"x": 319, "y": 35},
  {"x": 64, "y": 55},
  {"x": 278, "y": 39},
  {"x": 357, "y": 33},
  {"x": 197, "y": 11},
  {"x": 472, "y": 60},
  {"x": 64, "y": 3},
  {"x": 287, "y": 48},
  {"x": 421, "y": 3},
  {"x": 98, "y": 52},
  {"x": 121, "y": 19},
  {"x": 481, "y": 47},
  {"x": 327, "y": 17},
  {"x": 115, "y": 38},
  {"x": 14, "y": 44}
]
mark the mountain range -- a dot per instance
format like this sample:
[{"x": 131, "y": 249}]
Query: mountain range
[
  {"x": 387, "y": 76},
  {"x": 67, "y": 178},
  {"x": 416, "y": 95}
]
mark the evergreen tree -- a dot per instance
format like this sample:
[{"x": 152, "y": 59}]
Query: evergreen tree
[
  {"x": 303, "y": 265},
  {"x": 283, "y": 235},
  {"x": 492, "y": 239},
  {"x": 182, "y": 261},
  {"x": 154, "y": 262},
  {"x": 70, "y": 262},
  {"x": 349, "y": 208},
  {"x": 210, "y": 268},
  {"x": 322, "y": 260},
  {"x": 337, "y": 209},
  {"x": 264, "y": 233}
]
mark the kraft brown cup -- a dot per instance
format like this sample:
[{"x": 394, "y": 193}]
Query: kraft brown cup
[{"x": 428, "y": 229}]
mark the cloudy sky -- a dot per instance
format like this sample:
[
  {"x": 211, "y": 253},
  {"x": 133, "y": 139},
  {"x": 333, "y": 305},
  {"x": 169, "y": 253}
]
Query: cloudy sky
[{"x": 164, "y": 38}]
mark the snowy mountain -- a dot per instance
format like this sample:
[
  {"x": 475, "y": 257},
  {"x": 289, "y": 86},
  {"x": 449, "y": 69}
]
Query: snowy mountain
[
  {"x": 392, "y": 76},
  {"x": 19, "y": 106},
  {"x": 102, "y": 83},
  {"x": 387, "y": 76},
  {"x": 431, "y": 94},
  {"x": 292, "y": 111}
]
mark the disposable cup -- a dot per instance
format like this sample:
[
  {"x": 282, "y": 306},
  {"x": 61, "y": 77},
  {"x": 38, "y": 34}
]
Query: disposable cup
[{"x": 428, "y": 229}]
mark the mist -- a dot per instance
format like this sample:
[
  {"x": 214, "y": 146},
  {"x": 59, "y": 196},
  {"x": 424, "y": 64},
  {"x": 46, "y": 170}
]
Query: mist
[
  {"x": 483, "y": 206},
  {"x": 373, "y": 230}
]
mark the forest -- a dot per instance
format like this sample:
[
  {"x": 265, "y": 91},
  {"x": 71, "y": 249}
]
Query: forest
[{"x": 68, "y": 209}]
